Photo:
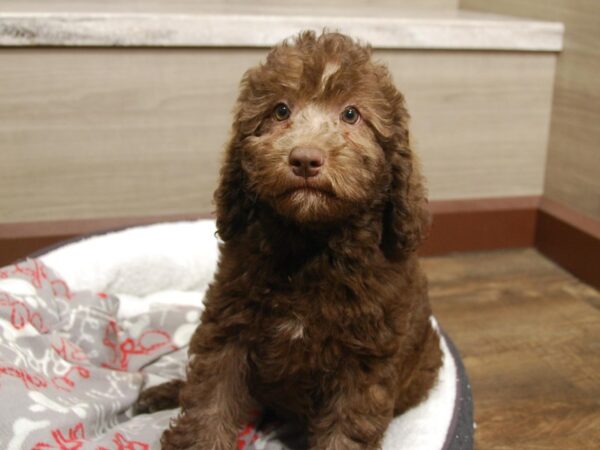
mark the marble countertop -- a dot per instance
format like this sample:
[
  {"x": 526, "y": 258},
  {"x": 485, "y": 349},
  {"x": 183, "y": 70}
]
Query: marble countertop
[{"x": 214, "y": 27}]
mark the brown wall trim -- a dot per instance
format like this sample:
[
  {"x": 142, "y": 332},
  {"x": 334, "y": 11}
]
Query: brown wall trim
[
  {"x": 565, "y": 236},
  {"x": 458, "y": 225},
  {"x": 586, "y": 224},
  {"x": 17, "y": 240},
  {"x": 85, "y": 226},
  {"x": 481, "y": 224},
  {"x": 570, "y": 239}
]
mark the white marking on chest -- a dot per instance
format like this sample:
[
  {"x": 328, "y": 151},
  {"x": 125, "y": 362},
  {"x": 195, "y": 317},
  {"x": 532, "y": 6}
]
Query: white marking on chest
[{"x": 292, "y": 328}]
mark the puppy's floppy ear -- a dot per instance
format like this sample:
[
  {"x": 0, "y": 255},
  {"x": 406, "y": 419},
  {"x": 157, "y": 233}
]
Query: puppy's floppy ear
[
  {"x": 234, "y": 205},
  {"x": 406, "y": 219},
  {"x": 231, "y": 200}
]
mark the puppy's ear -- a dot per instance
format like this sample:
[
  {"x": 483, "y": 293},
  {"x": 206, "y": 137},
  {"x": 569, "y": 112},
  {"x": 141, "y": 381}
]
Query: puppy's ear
[
  {"x": 406, "y": 218},
  {"x": 234, "y": 205},
  {"x": 231, "y": 200}
]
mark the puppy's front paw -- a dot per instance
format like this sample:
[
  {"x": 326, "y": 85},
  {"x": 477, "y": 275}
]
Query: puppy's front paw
[
  {"x": 157, "y": 398},
  {"x": 195, "y": 442},
  {"x": 199, "y": 434}
]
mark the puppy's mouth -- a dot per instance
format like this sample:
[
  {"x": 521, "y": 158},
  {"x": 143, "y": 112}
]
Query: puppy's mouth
[{"x": 309, "y": 187}]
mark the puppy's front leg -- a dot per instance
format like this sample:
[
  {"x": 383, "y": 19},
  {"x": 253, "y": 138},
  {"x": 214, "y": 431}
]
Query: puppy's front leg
[
  {"x": 355, "y": 419},
  {"x": 215, "y": 402}
]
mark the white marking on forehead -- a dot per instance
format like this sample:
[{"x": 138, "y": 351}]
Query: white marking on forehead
[
  {"x": 314, "y": 117},
  {"x": 328, "y": 71}
]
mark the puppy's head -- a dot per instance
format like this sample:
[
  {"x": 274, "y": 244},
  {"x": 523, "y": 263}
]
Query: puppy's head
[{"x": 319, "y": 134}]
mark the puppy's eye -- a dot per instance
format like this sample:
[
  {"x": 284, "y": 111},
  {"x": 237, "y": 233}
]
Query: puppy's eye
[
  {"x": 350, "y": 115},
  {"x": 282, "y": 111}
]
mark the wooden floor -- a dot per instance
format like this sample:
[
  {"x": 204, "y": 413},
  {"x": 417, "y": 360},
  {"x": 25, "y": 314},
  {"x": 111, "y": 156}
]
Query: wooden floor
[{"x": 529, "y": 334}]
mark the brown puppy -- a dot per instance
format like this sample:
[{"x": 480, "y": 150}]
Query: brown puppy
[{"x": 319, "y": 308}]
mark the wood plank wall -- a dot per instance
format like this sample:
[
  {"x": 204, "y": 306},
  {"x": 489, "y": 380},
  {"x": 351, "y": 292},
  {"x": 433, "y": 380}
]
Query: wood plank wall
[
  {"x": 573, "y": 168},
  {"x": 96, "y": 133}
]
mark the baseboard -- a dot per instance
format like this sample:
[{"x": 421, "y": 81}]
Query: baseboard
[
  {"x": 570, "y": 239},
  {"x": 481, "y": 224},
  {"x": 458, "y": 225},
  {"x": 18, "y": 240}
]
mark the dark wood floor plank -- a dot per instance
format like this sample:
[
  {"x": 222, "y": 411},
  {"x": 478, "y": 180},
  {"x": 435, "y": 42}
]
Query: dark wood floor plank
[{"x": 529, "y": 334}]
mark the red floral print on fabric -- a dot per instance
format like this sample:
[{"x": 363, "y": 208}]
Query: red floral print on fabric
[
  {"x": 249, "y": 433},
  {"x": 74, "y": 439},
  {"x": 65, "y": 382},
  {"x": 35, "y": 272},
  {"x": 30, "y": 381},
  {"x": 147, "y": 343},
  {"x": 69, "y": 351},
  {"x": 123, "y": 443},
  {"x": 20, "y": 314},
  {"x": 36, "y": 382}
]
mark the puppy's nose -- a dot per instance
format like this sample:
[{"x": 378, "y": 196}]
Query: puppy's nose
[{"x": 306, "y": 162}]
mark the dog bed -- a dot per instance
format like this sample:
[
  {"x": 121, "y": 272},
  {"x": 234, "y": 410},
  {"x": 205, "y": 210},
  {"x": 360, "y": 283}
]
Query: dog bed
[{"x": 85, "y": 326}]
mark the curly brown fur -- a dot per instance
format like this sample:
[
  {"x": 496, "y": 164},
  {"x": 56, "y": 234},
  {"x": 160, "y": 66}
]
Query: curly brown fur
[{"x": 319, "y": 308}]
